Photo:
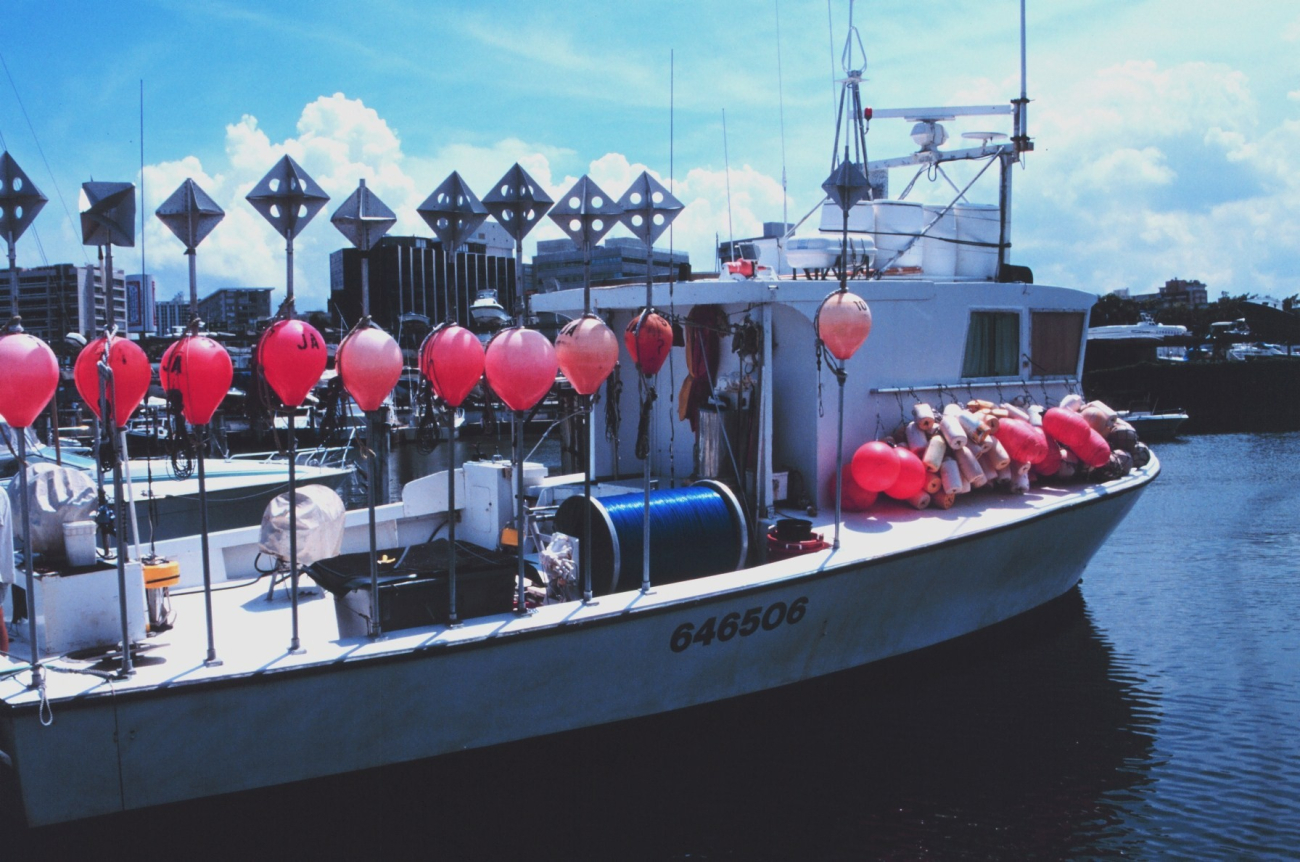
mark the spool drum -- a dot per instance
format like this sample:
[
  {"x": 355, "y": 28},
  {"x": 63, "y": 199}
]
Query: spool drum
[{"x": 616, "y": 530}]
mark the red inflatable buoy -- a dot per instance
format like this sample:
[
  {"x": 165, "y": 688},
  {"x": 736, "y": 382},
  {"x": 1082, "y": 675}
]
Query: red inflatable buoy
[
  {"x": 131, "y": 376},
  {"x": 587, "y": 351},
  {"x": 1023, "y": 442},
  {"x": 452, "y": 359},
  {"x": 853, "y": 497},
  {"x": 1067, "y": 426},
  {"x": 843, "y": 323},
  {"x": 292, "y": 356},
  {"x": 911, "y": 475},
  {"x": 649, "y": 340},
  {"x": 520, "y": 365},
  {"x": 875, "y": 466},
  {"x": 200, "y": 369},
  {"x": 370, "y": 364},
  {"x": 30, "y": 376}
]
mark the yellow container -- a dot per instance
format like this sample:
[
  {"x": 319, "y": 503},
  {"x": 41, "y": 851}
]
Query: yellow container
[{"x": 164, "y": 574}]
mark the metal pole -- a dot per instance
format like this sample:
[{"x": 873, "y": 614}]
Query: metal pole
[
  {"x": 584, "y": 550},
  {"x": 288, "y": 278},
  {"x": 211, "y": 660},
  {"x": 454, "y": 619},
  {"x": 194, "y": 281},
  {"x": 106, "y": 410},
  {"x": 645, "y": 522},
  {"x": 839, "y": 460},
  {"x": 517, "y": 426},
  {"x": 295, "y": 647},
  {"x": 374, "y": 548},
  {"x": 110, "y": 312},
  {"x": 13, "y": 276},
  {"x": 589, "y": 455},
  {"x": 37, "y": 676},
  {"x": 650, "y": 393}
]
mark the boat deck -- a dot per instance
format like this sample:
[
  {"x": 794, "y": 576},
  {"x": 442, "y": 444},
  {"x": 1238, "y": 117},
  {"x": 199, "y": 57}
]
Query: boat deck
[{"x": 253, "y": 634}]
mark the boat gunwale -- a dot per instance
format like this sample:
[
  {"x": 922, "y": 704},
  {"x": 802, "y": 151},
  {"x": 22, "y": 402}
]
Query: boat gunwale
[{"x": 1134, "y": 483}]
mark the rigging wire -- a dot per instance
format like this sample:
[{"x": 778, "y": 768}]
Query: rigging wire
[
  {"x": 41, "y": 150},
  {"x": 731, "y": 234}
]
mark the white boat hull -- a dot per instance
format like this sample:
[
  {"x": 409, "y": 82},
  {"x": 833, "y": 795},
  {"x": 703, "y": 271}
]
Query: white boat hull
[{"x": 568, "y": 667}]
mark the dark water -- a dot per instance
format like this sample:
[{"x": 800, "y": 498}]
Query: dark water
[{"x": 1152, "y": 714}]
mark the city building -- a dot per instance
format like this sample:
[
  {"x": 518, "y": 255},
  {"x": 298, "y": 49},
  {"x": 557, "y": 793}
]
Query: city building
[
  {"x": 171, "y": 316},
  {"x": 411, "y": 275},
  {"x": 62, "y": 298},
  {"x": 1179, "y": 291},
  {"x": 140, "y": 290},
  {"x": 558, "y": 263},
  {"x": 236, "y": 310}
]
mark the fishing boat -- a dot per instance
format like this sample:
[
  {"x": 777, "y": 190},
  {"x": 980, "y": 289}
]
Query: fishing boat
[{"x": 754, "y": 574}]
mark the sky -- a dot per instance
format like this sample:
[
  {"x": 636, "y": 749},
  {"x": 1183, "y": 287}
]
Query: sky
[{"x": 1166, "y": 131}]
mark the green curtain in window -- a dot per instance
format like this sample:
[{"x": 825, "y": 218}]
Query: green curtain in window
[{"x": 992, "y": 344}]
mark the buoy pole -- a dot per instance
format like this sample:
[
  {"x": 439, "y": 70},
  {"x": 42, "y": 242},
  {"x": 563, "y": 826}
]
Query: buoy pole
[
  {"x": 37, "y": 672},
  {"x": 589, "y": 453},
  {"x": 454, "y": 618},
  {"x": 295, "y": 646},
  {"x": 106, "y": 411},
  {"x": 372, "y": 416},
  {"x": 517, "y": 426},
  {"x": 211, "y": 660},
  {"x": 839, "y": 459}
]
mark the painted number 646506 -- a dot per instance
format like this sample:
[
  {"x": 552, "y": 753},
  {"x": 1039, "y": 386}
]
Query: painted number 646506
[{"x": 734, "y": 623}]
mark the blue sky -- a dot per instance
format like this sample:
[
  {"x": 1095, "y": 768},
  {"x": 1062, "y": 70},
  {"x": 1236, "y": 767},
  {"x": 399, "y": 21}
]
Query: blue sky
[{"x": 1167, "y": 132}]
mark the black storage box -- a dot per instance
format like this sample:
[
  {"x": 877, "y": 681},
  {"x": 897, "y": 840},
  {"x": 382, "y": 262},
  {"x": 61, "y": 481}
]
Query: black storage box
[{"x": 414, "y": 587}]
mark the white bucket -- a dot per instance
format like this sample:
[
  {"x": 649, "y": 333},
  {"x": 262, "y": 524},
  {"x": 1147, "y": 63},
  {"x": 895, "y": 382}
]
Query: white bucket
[
  {"x": 938, "y": 251},
  {"x": 79, "y": 543},
  {"x": 896, "y": 224},
  {"x": 977, "y": 223},
  {"x": 861, "y": 218}
]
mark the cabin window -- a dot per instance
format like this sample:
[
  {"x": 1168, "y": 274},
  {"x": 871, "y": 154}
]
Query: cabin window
[
  {"x": 1055, "y": 338},
  {"x": 992, "y": 344}
]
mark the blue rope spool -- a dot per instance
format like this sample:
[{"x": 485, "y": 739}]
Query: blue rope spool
[{"x": 694, "y": 532}]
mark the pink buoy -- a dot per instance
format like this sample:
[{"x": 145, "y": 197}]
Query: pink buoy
[
  {"x": 1067, "y": 426},
  {"x": 1051, "y": 464},
  {"x": 875, "y": 466},
  {"x": 520, "y": 366},
  {"x": 292, "y": 355},
  {"x": 1022, "y": 441},
  {"x": 911, "y": 476},
  {"x": 131, "y": 376},
  {"x": 370, "y": 364},
  {"x": 587, "y": 351},
  {"x": 649, "y": 340},
  {"x": 452, "y": 359},
  {"x": 843, "y": 323},
  {"x": 165, "y": 377},
  {"x": 1094, "y": 450},
  {"x": 200, "y": 369},
  {"x": 855, "y": 498},
  {"x": 31, "y": 374}
]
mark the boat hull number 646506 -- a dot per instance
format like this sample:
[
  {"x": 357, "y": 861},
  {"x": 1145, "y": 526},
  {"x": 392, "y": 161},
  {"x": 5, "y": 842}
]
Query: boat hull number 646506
[{"x": 736, "y": 623}]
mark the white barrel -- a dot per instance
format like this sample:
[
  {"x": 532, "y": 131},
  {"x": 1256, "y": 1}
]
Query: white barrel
[
  {"x": 978, "y": 230},
  {"x": 938, "y": 249},
  {"x": 897, "y": 223},
  {"x": 861, "y": 218}
]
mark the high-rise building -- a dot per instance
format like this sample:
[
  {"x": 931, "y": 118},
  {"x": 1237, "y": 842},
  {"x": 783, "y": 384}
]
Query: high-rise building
[
  {"x": 236, "y": 310},
  {"x": 412, "y": 275},
  {"x": 62, "y": 298},
  {"x": 558, "y": 263},
  {"x": 140, "y": 303},
  {"x": 171, "y": 316}
]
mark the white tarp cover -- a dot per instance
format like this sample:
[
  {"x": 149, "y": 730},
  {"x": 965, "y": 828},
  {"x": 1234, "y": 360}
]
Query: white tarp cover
[
  {"x": 55, "y": 496},
  {"x": 320, "y": 525},
  {"x": 6, "y": 544}
]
